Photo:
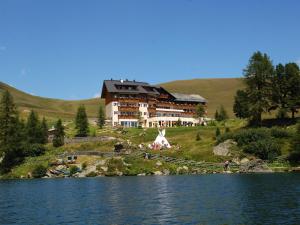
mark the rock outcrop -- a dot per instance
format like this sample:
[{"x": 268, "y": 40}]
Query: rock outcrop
[
  {"x": 223, "y": 149},
  {"x": 254, "y": 166}
]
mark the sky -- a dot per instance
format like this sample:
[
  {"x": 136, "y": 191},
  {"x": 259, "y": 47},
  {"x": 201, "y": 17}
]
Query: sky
[{"x": 66, "y": 48}]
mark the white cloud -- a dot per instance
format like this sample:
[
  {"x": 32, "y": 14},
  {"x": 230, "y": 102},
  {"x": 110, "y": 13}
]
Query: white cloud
[{"x": 97, "y": 95}]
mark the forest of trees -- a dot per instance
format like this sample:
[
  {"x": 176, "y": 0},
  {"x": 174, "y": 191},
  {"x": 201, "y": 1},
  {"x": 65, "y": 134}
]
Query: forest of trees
[{"x": 268, "y": 88}]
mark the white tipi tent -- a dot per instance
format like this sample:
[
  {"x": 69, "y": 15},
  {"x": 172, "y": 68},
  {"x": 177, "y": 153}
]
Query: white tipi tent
[{"x": 161, "y": 141}]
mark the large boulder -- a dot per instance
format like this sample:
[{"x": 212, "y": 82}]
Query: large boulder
[
  {"x": 223, "y": 149},
  {"x": 254, "y": 166}
]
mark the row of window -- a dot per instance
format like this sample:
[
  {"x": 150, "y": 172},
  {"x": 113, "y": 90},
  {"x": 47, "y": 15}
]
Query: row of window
[
  {"x": 129, "y": 113},
  {"x": 130, "y": 104}
]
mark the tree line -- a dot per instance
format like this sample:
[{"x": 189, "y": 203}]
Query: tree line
[
  {"x": 268, "y": 88},
  {"x": 20, "y": 138}
]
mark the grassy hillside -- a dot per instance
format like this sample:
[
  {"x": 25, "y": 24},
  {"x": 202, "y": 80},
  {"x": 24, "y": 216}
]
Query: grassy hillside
[
  {"x": 50, "y": 107},
  {"x": 216, "y": 91}
]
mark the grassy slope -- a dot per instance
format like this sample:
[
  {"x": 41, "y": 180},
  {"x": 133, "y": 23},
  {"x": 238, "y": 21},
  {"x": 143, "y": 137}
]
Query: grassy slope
[
  {"x": 218, "y": 92},
  {"x": 50, "y": 107}
]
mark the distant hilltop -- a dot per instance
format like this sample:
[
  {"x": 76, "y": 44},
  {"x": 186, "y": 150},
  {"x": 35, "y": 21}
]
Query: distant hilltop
[{"x": 218, "y": 91}]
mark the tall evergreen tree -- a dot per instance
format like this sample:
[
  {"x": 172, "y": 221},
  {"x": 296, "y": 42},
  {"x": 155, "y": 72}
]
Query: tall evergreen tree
[
  {"x": 33, "y": 128},
  {"x": 101, "y": 117},
  {"x": 258, "y": 80},
  {"x": 59, "y": 134},
  {"x": 293, "y": 75},
  {"x": 81, "y": 122},
  {"x": 222, "y": 114},
  {"x": 44, "y": 131},
  {"x": 11, "y": 151},
  {"x": 241, "y": 105}
]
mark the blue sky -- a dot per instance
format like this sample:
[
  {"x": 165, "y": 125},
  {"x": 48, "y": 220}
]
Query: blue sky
[{"x": 66, "y": 48}]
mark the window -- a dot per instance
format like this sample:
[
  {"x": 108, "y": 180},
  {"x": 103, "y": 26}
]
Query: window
[
  {"x": 115, "y": 104},
  {"x": 116, "y": 112},
  {"x": 145, "y": 113}
]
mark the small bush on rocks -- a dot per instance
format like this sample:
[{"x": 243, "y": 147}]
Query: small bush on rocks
[{"x": 39, "y": 171}]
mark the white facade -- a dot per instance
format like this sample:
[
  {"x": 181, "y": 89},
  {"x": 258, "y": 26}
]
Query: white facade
[{"x": 165, "y": 117}]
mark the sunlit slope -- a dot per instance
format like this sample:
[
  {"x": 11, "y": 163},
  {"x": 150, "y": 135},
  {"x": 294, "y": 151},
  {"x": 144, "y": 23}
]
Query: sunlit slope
[
  {"x": 219, "y": 91},
  {"x": 50, "y": 107}
]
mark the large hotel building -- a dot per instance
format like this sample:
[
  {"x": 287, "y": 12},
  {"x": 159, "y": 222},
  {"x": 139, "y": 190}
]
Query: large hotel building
[{"x": 132, "y": 104}]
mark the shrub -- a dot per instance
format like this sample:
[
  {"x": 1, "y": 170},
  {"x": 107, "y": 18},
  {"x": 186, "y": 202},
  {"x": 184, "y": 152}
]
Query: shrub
[
  {"x": 279, "y": 133},
  {"x": 73, "y": 170},
  {"x": 218, "y": 132},
  {"x": 92, "y": 174},
  {"x": 198, "y": 137},
  {"x": 246, "y": 136},
  {"x": 39, "y": 171},
  {"x": 34, "y": 150},
  {"x": 115, "y": 164},
  {"x": 265, "y": 149},
  {"x": 83, "y": 165},
  {"x": 225, "y": 137},
  {"x": 227, "y": 129},
  {"x": 294, "y": 156}
]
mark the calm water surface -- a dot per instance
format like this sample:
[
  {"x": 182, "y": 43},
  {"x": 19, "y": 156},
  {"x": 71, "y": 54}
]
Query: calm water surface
[{"x": 206, "y": 199}]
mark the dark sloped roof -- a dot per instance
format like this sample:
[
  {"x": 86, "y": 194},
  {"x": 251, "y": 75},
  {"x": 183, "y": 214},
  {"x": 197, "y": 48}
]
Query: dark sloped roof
[
  {"x": 188, "y": 98},
  {"x": 140, "y": 87}
]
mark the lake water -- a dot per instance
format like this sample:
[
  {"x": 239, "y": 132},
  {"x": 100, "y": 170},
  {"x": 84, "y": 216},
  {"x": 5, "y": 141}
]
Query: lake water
[{"x": 205, "y": 199}]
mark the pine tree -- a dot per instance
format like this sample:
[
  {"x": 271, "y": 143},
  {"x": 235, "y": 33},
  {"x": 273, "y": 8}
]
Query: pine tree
[
  {"x": 241, "y": 105},
  {"x": 81, "y": 122},
  {"x": 59, "y": 134},
  {"x": 101, "y": 117},
  {"x": 217, "y": 115},
  {"x": 223, "y": 114},
  {"x": 218, "y": 132},
  {"x": 33, "y": 128},
  {"x": 258, "y": 80},
  {"x": 11, "y": 151},
  {"x": 44, "y": 131},
  {"x": 293, "y": 76}
]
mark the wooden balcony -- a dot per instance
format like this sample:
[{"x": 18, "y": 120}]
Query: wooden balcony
[
  {"x": 128, "y": 109},
  {"x": 130, "y": 100}
]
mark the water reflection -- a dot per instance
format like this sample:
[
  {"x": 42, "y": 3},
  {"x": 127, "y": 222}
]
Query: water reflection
[{"x": 209, "y": 199}]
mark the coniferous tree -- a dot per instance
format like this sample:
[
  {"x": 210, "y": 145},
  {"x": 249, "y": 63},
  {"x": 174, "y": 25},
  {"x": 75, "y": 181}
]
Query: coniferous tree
[
  {"x": 11, "y": 150},
  {"x": 44, "y": 131},
  {"x": 33, "y": 128},
  {"x": 241, "y": 105},
  {"x": 258, "y": 76},
  {"x": 59, "y": 134},
  {"x": 217, "y": 115},
  {"x": 101, "y": 117},
  {"x": 222, "y": 114},
  {"x": 293, "y": 101},
  {"x": 81, "y": 122}
]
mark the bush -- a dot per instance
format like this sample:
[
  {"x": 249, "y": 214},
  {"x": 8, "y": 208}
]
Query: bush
[
  {"x": 279, "y": 133},
  {"x": 198, "y": 137},
  {"x": 246, "y": 136},
  {"x": 39, "y": 171},
  {"x": 227, "y": 129},
  {"x": 265, "y": 149},
  {"x": 83, "y": 165},
  {"x": 73, "y": 170},
  {"x": 34, "y": 150},
  {"x": 218, "y": 132},
  {"x": 225, "y": 137},
  {"x": 92, "y": 174},
  {"x": 294, "y": 156}
]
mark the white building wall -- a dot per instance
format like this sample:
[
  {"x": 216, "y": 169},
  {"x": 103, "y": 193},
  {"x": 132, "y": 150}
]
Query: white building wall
[{"x": 111, "y": 110}]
